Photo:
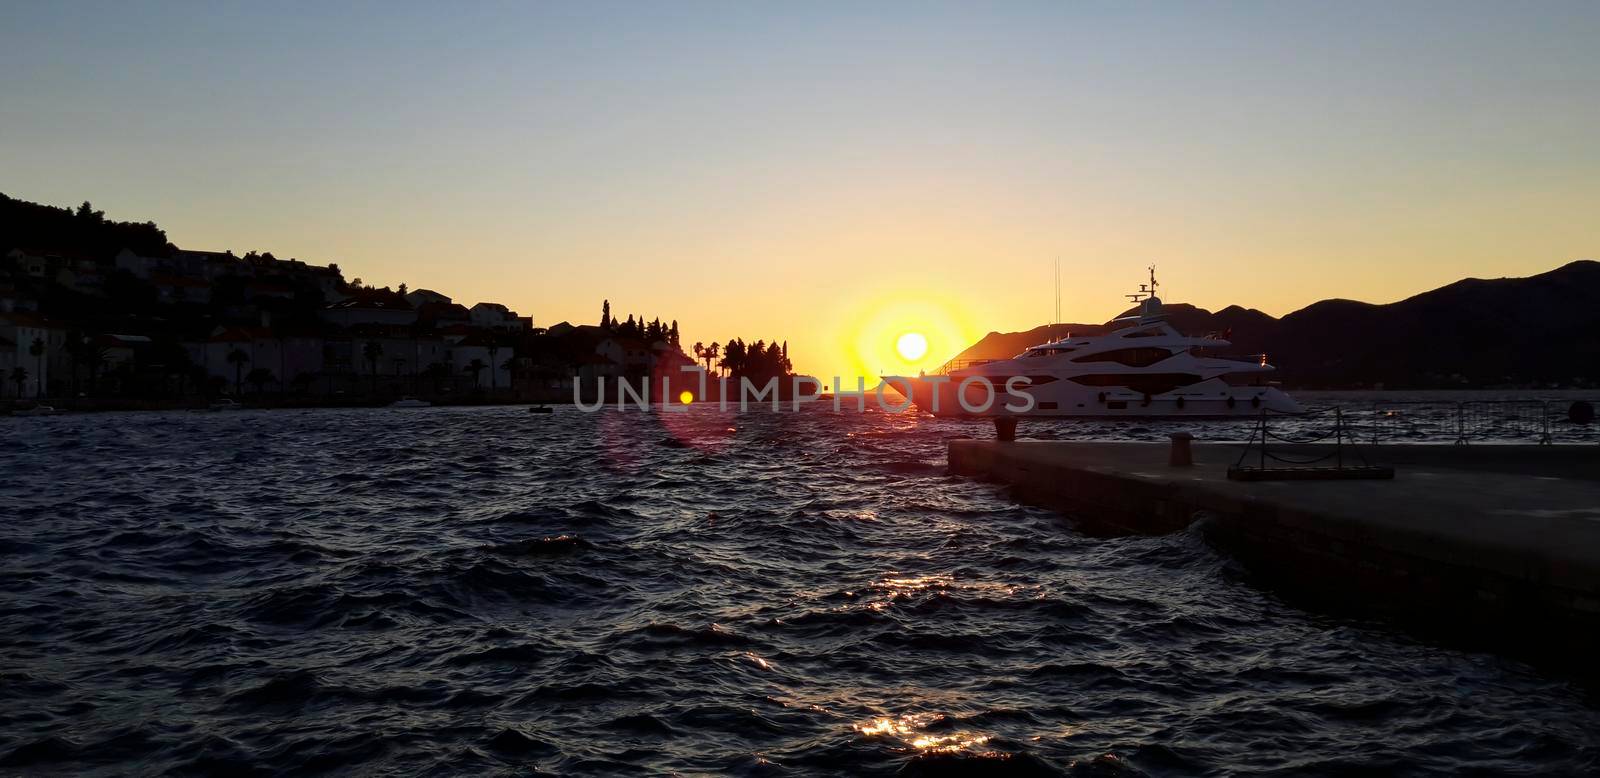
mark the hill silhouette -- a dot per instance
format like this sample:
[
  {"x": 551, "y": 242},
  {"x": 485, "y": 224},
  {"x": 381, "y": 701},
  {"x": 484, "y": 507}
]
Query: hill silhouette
[
  {"x": 1538, "y": 330},
  {"x": 84, "y": 232}
]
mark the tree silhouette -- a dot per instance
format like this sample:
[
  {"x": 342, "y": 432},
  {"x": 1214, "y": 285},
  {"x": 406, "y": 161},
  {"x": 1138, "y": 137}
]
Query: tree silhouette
[
  {"x": 238, "y": 358},
  {"x": 19, "y": 376},
  {"x": 494, "y": 348},
  {"x": 605, "y": 314},
  {"x": 475, "y": 367}
]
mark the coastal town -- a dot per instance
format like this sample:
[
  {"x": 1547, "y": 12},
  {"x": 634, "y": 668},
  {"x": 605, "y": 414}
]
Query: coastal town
[{"x": 94, "y": 322}]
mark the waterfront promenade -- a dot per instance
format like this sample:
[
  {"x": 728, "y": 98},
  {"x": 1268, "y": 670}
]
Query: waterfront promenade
[{"x": 1499, "y": 544}]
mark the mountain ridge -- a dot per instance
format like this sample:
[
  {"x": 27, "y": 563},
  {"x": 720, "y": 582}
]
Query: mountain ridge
[{"x": 1542, "y": 329}]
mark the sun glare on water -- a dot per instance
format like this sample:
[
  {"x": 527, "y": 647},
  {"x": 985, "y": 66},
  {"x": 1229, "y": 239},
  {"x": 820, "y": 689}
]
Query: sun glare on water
[{"x": 912, "y": 346}]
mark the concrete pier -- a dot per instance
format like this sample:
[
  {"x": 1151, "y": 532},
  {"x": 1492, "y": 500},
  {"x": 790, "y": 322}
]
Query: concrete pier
[{"x": 1497, "y": 543}]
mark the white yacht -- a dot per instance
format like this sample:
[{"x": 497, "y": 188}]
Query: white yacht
[{"x": 1143, "y": 368}]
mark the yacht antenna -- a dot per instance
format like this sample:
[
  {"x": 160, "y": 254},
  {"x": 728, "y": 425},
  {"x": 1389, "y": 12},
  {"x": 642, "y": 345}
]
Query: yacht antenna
[
  {"x": 1152, "y": 281},
  {"x": 1057, "y": 319}
]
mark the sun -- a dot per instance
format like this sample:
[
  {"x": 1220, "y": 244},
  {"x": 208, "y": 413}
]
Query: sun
[{"x": 912, "y": 346}]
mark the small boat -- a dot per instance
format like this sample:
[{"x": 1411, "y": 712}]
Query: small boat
[
  {"x": 539, "y": 409},
  {"x": 37, "y": 410},
  {"x": 410, "y": 402},
  {"x": 224, "y": 405}
]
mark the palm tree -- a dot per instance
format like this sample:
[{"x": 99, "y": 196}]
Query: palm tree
[
  {"x": 699, "y": 351},
  {"x": 19, "y": 375},
  {"x": 37, "y": 350},
  {"x": 260, "y": 377},
  {"x": 237, "y": 358},
  {"x": 475, "y": 367},
  {"x": 372, "y": 351},
  {"x": 712, "y": 352}
]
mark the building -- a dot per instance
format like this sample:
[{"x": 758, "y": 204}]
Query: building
[
  {"x": 83, "y": 276},
  {"x": 392, "y": 311},
  {"x": 122, "y": 349},
  {"x": 22, "y": 330},
  {"x": 401, "y": 352},
  {"x": 498, "y": 317},
  {"x": 492, "y": 355},
  {"x": 181, "y": 289},
  {"x": 442, "y": 315},
  {"x": 289, "y": 357},
  {"x": 421, "y": 297},
  {"x": 8, "y": 361},
  {"x": 632, "y": 356}
]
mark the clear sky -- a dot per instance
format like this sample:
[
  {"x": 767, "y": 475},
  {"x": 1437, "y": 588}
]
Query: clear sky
[{"x": 833, "y": 174}]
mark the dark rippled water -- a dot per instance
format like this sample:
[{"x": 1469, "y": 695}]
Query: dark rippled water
[{"x": 471, "y": 591}]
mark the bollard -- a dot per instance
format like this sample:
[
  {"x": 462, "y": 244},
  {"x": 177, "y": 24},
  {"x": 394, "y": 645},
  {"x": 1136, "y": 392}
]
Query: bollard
[
  {"x": 1005, "y": 428},
  {"x": 1182, "y": 455}
]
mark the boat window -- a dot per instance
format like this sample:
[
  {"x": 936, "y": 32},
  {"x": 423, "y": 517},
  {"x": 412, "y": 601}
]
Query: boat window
[
  {"x": 1144, "y": 383},
  {"x": 1132, "y": 357},
  {"x": 999, "y": 381},
  {"x": 1047, "y": 352}
]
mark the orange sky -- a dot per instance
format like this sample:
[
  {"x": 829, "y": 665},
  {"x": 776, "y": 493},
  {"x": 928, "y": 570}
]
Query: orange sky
[{"x": 833, "y": 175}]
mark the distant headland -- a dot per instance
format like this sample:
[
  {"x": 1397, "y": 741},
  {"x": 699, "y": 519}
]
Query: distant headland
[
  {"x": 96, "y": 313},
  {"x": 1542, "y": 331}
]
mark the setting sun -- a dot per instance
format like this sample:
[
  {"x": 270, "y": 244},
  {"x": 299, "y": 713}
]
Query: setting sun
[{"x": 912, "y": 346}]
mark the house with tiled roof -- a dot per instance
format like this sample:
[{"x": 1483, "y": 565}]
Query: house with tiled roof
[
  {"x": 21, "y": 330},
  {"x": 440, "y": 315},
  {"x": 181, "y": 289},
  {"x": 498, "y": 317},
  {"x": 370, "y": 309},
  {"x": 421, "y": 297}
]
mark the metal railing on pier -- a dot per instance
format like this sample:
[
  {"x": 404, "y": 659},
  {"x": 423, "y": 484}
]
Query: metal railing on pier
[
  {"x": 1323, "y": 452},
  {"x": 1466, "y": 421}
]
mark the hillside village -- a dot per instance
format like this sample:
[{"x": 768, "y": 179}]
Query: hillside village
[{"x": 152, "y": 322}]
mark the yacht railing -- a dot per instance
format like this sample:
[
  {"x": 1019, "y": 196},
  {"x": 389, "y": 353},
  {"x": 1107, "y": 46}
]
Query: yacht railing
[{"x": 959, "y": 364}]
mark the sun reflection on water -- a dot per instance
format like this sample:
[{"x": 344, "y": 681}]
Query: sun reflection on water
[{"x": 909, "y": 731}]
